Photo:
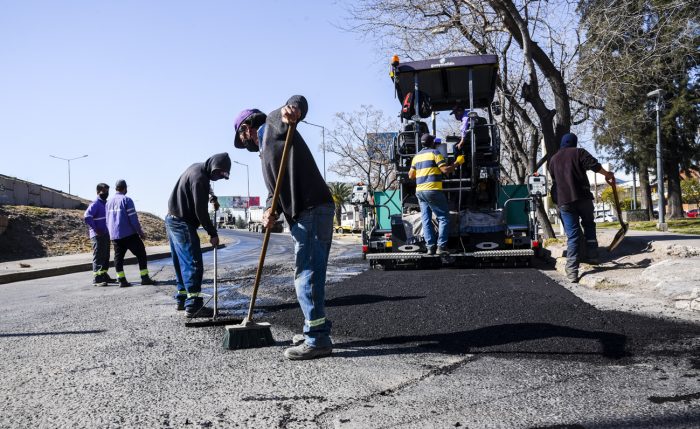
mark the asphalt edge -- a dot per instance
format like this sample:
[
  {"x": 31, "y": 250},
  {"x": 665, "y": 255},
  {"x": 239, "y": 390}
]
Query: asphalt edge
[{"x": 76, "y": 268}]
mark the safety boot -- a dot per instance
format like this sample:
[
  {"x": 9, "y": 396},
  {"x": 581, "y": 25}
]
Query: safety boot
[
  {"x": 441, "y": 251},
  {"x": 572, "y": 275},
  {"x": 123, "y": 282},
  {"x": 147, "y": 281},
  {"x": 99, "y": 280},
  {"x": 192, "y": 313},
  {"x": 306, "y": 352}
]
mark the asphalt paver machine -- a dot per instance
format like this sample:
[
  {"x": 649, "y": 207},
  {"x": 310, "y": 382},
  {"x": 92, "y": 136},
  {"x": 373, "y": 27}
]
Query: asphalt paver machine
[{"x": 482, "y": 229}]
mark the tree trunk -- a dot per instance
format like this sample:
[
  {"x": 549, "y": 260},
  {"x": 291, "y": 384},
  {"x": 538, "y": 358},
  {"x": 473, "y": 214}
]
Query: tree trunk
[
  {"x": 645, "y": 189},
  {"x": 673, "y": 178},
  {"x": 542, "y": 217}
]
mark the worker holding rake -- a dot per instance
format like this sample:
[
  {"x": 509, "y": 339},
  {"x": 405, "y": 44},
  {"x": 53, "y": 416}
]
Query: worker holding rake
[{"x": 307, "y": 205}]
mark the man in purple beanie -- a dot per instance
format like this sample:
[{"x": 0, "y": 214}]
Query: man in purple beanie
[{"x": 307, "y": 205}]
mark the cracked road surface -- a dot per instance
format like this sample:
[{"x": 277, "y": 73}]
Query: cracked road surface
[{"x": 500, "y": 348}]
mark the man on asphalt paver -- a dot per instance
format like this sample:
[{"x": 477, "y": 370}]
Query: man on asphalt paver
[
  {"x": 126, "y": 234},
  {"x": 571, "y": 191},
  {"x": 306, "y": 203},
  {"x": 187, "y": 210},
  {"x": 95, "y": 218},
  {"x": 427, "y": 168}
]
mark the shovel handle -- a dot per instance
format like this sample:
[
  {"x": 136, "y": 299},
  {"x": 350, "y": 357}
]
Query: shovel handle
[
  {"x": 275, "y": 196},
  {"x": 617, "y": 204}
]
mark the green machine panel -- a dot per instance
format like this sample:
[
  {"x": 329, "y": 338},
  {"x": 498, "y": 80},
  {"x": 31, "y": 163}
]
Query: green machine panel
[
  {"x": 517, "y": 211},
  {"x": 388, "y": 203}
]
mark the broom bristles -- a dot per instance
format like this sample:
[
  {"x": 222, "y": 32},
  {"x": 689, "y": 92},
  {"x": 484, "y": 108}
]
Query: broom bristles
[{"x": 248, "y": 336}]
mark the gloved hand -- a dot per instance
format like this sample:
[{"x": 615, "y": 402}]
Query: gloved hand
[{"x": 459, "y": 160}]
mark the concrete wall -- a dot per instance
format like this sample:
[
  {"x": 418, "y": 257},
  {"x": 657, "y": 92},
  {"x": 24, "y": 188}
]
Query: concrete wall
[{"x": 19, "y": 192}]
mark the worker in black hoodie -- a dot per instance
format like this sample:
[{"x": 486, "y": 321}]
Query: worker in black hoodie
[
  {"x": 187, "y": 209},
  {"x": 307, "y": 205}
]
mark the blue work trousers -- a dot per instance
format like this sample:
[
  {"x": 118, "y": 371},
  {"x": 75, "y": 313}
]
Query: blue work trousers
[
  {"x": 573, "y": 216},
  {"x": 312, "y": 234},
  {"x": 434, "y": 202},
  {"x": 187, "y": 260}
]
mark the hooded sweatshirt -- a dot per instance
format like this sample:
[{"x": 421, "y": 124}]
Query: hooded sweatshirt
[
  {"x": 190, "y": 197},
  {"x": 568, "y": 170},
  {"x": 303, "y": 186}
]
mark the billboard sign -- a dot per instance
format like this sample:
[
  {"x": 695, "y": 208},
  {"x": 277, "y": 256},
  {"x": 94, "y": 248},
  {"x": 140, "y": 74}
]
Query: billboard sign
[
  {"x": 235, "y": 202},
  {"x": 380, "y": 143}
]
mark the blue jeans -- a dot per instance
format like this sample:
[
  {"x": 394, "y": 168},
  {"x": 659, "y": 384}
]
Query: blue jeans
[
  {"x": 434, "y": 202},
  {"x": 187, "y": 260},
  {"x": 570, "y": 215},
  {"x": 312, "y": 234}
]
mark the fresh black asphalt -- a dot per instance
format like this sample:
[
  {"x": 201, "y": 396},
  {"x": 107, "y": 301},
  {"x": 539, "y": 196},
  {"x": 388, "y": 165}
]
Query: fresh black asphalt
[{"x": 511, "y": 312}]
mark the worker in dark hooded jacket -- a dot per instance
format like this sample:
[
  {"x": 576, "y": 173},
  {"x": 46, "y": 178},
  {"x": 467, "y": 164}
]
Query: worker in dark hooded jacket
[
  {"x": 306, "y": 203},
  {"x": 187, "y": 210},
  {"x": 571, "y": 191}
]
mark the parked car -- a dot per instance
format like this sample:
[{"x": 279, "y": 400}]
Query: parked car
[
  {"x": 605, "y": 218},
  {"x": 694, "y": 213}
]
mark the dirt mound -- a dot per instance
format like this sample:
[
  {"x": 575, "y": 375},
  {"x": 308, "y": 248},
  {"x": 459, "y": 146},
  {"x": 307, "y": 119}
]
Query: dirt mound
[{"x": 34, "y": 232}]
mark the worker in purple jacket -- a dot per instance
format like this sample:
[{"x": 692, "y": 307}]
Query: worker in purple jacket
[
  {"x": 126, "y": 234},
  {"x": 99, "y": 236}
]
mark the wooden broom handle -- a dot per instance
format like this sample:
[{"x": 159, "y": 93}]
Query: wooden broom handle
[{"x": 275, "y": 196}]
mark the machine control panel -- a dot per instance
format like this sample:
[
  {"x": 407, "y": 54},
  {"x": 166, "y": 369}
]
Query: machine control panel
[{"x": 537, "y": 185}]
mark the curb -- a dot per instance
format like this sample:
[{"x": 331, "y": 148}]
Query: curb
[{"x": 76, "y": 268}]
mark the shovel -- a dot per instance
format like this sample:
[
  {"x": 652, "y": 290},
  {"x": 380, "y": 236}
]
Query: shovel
[{"x": 623, "y": 226}]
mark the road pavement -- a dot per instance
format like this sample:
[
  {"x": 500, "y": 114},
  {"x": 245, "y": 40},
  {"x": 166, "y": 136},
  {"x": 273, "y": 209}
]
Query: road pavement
[{"x": 434, "y": 348}]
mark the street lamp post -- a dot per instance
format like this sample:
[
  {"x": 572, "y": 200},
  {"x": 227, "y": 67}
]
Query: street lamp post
[
  {"x": 658, "y": 96},
  {"x": 247, "y": 180},
  {"x": 69, "y": 160},
  {"x": 323, "y": 144}
]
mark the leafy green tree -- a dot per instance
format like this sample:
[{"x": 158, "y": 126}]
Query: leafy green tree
[
  {"x": 632, "y": 48},
  {"x": 341, "y": 193},
  {"x": 240, "y": 223},
  {"x": 691, "y": 191}
]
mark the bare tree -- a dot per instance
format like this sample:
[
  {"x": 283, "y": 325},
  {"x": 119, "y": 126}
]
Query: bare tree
[
  {"x": 353, "y": 140},
  {"x": 536, "y": 43}
]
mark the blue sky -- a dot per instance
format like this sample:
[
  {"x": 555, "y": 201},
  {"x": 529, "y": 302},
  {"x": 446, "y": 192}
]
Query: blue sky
[{"x": 146, "y": 88}]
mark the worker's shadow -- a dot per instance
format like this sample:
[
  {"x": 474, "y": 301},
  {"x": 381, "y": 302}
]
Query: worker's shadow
[
  {"x": 342, "y": 301},
  {"x": 612, "y": 265},
  {"x": 488, "y": 339}
]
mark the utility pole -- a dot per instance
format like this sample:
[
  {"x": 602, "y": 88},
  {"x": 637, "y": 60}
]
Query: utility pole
[
  {"x": 657, "y": 95},
  {"x": 247, "y": 175},
  {"x": 69, "y": 160},
  {"x": 323, "y": 144}
]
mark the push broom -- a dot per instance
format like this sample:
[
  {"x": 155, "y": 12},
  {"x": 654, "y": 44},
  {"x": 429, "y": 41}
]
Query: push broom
[
  {"x": 216, "y": 320},
  {"x": 249, "y": 334}
]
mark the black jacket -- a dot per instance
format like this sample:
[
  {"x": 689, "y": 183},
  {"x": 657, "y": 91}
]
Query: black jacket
[
  {"x": 303, "y": 186},
  {"x": 569, "y": 180},
  {"x": 190, "y": 197}
]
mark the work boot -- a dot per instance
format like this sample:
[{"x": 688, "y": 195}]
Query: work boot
[
  {"x": 441, "y": 251},
  {"x": 298, "y": 339},
  {"x": 180, "y": 305},
  {"x": 123, "y": 282},
  {"x": 99, "y": 280},
  {"x": 109, "y": 279},
  {"x": 306, "y": 352},
  {"x": 572, "y": 275},
  {"x": 432, "y": 250},
  {"x": 147, "y": 281},
  {"x": 200, "y": 312}
]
